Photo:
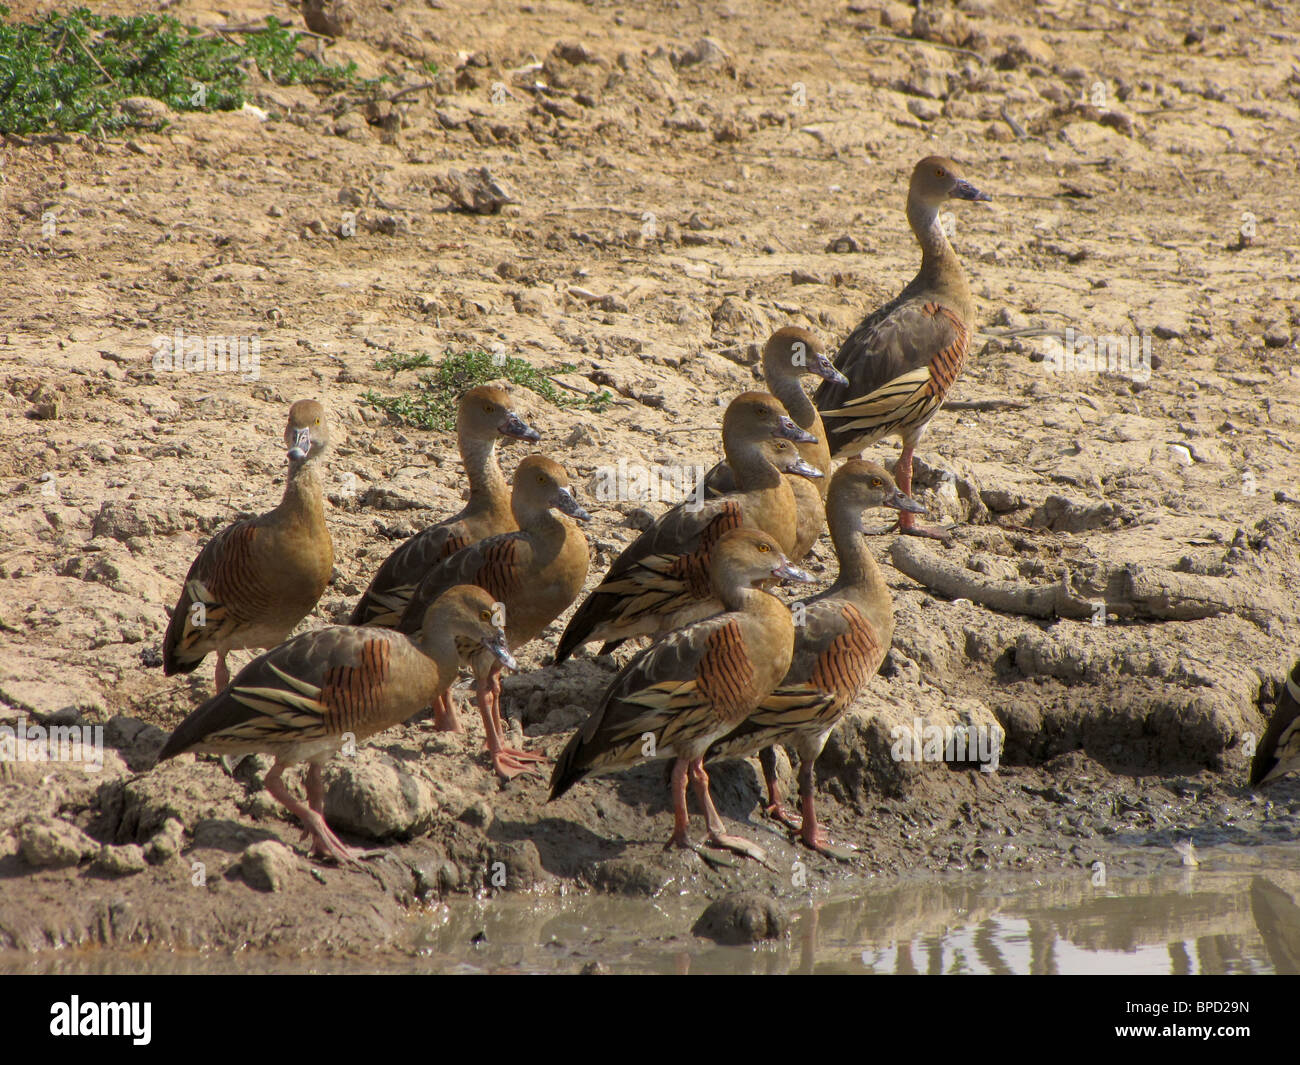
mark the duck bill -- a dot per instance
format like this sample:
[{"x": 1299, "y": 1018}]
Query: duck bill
[
  {"x": 786, "y": 428},
  {"x": 496, "y": 646},
  {"x": 966, "y": 191},
  {"x": 805, "y": 469},
  {"x": 517, "y": 429},
  {"x": 786, "y": 572},
  {"x": 300, "y": 444},
  {"x": 901, "y": 501},
  {"x": 566, "y": 504},
  {"x": 823, "y": 368}
]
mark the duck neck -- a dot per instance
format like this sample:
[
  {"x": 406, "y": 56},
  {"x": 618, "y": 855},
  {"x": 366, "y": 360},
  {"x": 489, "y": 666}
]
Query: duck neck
[
  {"x": 795, "y": 400},
  {"x": 547, "y": 529},
  {"x": 751, "y": 468},
  {"x": 487, "y": 484},
  {"x": 439, "y": 645},
  {"x": 941, "y": 271},
  {"x": 304, "y": 491},
  {"x": 860, "y": 576}
]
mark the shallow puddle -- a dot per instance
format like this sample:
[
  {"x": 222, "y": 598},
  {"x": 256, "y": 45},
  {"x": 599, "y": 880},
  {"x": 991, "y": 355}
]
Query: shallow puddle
[{"x": 1237, "y": 912}]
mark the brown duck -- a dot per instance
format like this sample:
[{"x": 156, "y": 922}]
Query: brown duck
[
  {"x": 1278, "y": 752},
  {"x": 661, "y": 580},
  {"x": 303, "y": 700},
  {"x": 789, "y": 354},
  {"x": 694, "y": 685},
  {"x": 841, "y": 639},
  {"x": 903, "y": 358},
  {"x": 256, "y": 579},
  {"x": 484, "y": 417},
  {"x": 533, "y": 575}
]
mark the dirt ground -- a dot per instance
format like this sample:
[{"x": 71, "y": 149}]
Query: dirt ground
[{"x": 686, "y": 178}]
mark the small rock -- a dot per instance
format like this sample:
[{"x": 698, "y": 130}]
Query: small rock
[
  {"x": 267, "y": 866},
  {"x": 805, "y": 277},
  {"x": 121, "y": 861},
  {"x": 477, "y": 814},
  {"x": 924, "y": 110},
  {"x": 146, "y": 112},
  {"x": 742, "y": 917},
  {"x": 704, "y": 52},
  {"x": 50, "y": 843},
  {"x": 166, "y": 843},
  {"x": 331, "y": 17},
  {"x": 844, "y": 245},
  {"x": 377, "y": 800}
]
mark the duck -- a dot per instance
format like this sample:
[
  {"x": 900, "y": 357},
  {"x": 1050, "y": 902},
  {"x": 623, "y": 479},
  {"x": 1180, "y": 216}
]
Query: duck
[
  {"x": 485, "y": 415},
  {"x": 902, "y": 359},
  {"x": 256, "y": 579},
  {"x": 695, "y": 684},
  {"x": 1278, "y": 752},
  {"x": 789, "y": 354},
  {"x": 842, "y": 637},
  {"x": 661, "y": 580},
  {"x": 533, "y": 574},
  {"x": 303, "y": 700}
]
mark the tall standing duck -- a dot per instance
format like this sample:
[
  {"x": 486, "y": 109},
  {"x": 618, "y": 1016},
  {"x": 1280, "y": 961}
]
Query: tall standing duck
[
  {"x": 790, "y": 354},
  {"x": 841, "y": 639},
  {"x": 903, "y": 358},
  {"x": 485, "y": 415},
  {"x": 533, "y": 574},
  {"x": 1278, "y": 752},
  {"x": 256, "y": 579},
  {"x": 695, "y": 684},
  {"x": 301, "y": 701},
  {"x": 661, "y": 580}
]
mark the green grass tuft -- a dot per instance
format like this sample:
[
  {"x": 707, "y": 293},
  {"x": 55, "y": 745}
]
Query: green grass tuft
[
  {"x": 68, "y": 71},
  {"x": 431, "y": 403}
]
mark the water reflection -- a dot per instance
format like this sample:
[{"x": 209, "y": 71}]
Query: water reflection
[{"x": 1180, "y": 922}]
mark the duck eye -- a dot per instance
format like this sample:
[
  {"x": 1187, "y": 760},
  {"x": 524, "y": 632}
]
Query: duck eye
[
  {"x": 541, "y": 479},
  {"x": 318, "y": 421},
  {"x": 489, "y": 409},
  {"x": 485, "y": 615},
  {"x": 941, "y": 172},
  {"x": 876, "y": 482},
  {"x": 763, "y": 549}
]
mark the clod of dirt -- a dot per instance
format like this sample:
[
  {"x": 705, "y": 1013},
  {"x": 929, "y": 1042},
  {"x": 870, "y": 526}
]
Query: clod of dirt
[
  {"x": 120, "y": 861},
  {"x": 50, "y": 843},
  {"x": 742, "y": 917},
  {"x": 475, "y": 190},
  {"x": 377, "y": 800},
  {"x": 331, "y": 17},
  {"x": 267, "y": 866}
]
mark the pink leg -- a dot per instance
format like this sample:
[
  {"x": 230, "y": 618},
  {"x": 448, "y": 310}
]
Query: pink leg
[
  {"x": 718, "y": 835},
  {"x": 324, "y": 842},
  {"x": 907, "y": 521},
  {"x": 444, "y": 713},
  {"x": 812, "y": 834},
  {"x": 775, "y": 808},
  {"x": 222, "y": 678},
  {"x": 681, "y": 819},
  {"x": 499, "y": 725},
  {"x": 506, "y": 762}
]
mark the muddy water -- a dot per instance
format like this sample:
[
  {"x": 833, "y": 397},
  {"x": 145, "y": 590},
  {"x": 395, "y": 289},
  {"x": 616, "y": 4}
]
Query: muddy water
[{"x": 1237, "y": 912}]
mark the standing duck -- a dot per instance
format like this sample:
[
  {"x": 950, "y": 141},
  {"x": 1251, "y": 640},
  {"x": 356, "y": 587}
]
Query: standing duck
[
  {"x": 533, "y": 575},
  {"x": 303, "y": 700},
  {"x": 1278, "y": 752},
  {"x": 661, "y": 579},
  {"x": 483, "y": 417},
  {"x": 256, "y": 579},
  {"x": 903, "y": 358},
  {"x": 789, "y": 354},
  {"x": 695, "y": 684},
  {"x": 841, "y": 639}
]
